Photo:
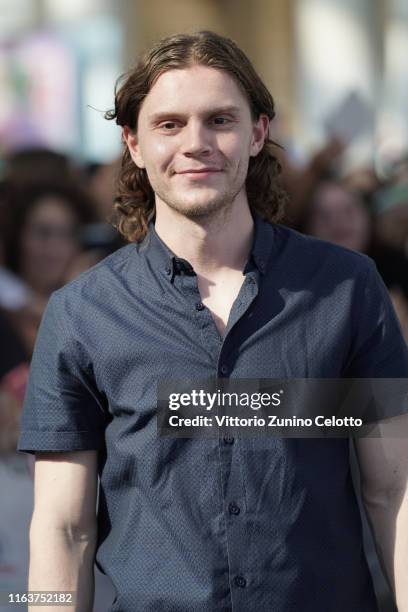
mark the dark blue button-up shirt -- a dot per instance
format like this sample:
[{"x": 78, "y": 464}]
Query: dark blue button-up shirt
[{"x": 232, "y": 523}]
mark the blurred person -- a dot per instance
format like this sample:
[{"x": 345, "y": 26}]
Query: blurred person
[
  {"x": 44, "y": 233},
  {"x": 42, "y": 238},
  {"x": 13, "y": 380},
  {"x": 15, "y": 474},
  {"x": 362, "y": 180},
  {"x": 26, "y": 320},
  {"x": 344, "y": 217},
  {"x": 391, "y": 210},
  {"x": 33, "y": 165},
  {"x": 13, "y": 360},
  {"x": 210, "y": 285},
  {"x": 391, "y": 230},
  {"x": 338, "y": 215},
  {"x": 99, "y": 238},
  {"x": 300, "y": 178},
  {"x": 13, "y": 292},
  {"x": 102, "y": 184},
  {"x": 301, "y": 182}
]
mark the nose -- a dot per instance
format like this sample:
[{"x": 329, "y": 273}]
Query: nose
[{"x": 197, "y": 139}]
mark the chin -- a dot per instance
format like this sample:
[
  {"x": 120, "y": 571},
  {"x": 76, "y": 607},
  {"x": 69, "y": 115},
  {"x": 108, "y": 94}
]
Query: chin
[
  {"x": 196, "y": 211},
  {"x": 201, "y": 207}
]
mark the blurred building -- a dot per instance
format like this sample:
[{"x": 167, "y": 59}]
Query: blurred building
[
  {"x": 323, "y": 60},
  {"x": 58, "y": 65}
]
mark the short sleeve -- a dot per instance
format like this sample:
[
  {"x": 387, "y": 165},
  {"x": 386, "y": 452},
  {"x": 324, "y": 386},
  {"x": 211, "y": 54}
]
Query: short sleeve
[
  {"x": 63, "y": 410},
  {"x": 379, "y": 349}
]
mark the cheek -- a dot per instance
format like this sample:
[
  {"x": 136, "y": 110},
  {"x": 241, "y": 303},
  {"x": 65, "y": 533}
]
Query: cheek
[
  {"x": 158, "y": 155},
  {"x": 30, "y": 246},
  {"x": 321, "y": 224},
  {"x": 67, "y": 250},
  {"x": 236, "y": 148}
]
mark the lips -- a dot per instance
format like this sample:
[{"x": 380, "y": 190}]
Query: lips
[{"x": 198, "y": 171}]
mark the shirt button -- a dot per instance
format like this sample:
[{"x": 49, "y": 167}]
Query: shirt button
[
  {"x": 168, "y": 270},
  {"x": 224, "y": 369},
  {"x": 233, "y": 509},
  {"x": 199, "y": 306},
  {"x": 240, "y": 581},
  {"x": 229, "y": 440}
]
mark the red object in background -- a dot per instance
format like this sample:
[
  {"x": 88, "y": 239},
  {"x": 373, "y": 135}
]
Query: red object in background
[{"x": 15, "y": 382}]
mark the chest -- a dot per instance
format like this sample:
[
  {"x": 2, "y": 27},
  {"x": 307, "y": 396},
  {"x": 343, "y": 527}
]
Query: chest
[{"x": 270, "y": 334}]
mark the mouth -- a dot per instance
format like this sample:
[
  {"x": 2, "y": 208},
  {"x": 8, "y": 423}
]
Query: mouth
[{"x": 199, "y": 173}]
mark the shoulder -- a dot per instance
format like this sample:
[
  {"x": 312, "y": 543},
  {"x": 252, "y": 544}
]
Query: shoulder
[
  {"x": 310, "y": 255},
  {"x": 100, "y": 280}
]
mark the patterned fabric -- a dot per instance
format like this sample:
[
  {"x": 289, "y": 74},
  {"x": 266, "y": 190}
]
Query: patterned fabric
[{"x": 213, "y": 525}]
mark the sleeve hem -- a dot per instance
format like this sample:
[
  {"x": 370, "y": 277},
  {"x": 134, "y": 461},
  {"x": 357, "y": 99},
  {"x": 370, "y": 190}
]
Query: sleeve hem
[{"x": 37, "y": 441}]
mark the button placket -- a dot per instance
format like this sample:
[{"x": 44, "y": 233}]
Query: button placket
[
  {"x": 207, "y": 335},
  {"x": 233, "y": 489},
  {"x": 247, "y": 295},
  {"x": 236, "y": 519},
  {"x": 224, "y": 369}
]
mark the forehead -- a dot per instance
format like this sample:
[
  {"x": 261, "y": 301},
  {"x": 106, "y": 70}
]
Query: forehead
[
  {"x": 50, "y": 207},
  {"x": 194, "y": 88},
  {"x": 334, "y": 197}
]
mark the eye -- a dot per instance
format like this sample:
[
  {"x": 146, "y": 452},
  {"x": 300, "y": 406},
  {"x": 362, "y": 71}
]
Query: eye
[
  {"x": 221, "y": 120},
  {"x": 168, "y": 125}
]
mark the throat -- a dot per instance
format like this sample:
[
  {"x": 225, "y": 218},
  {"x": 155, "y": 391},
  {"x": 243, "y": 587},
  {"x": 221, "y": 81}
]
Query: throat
[{"x": 219, "y": 296}]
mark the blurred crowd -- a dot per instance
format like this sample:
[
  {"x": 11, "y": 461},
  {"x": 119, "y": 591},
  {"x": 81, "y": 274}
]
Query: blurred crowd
[{"x": 54, "y": 224}]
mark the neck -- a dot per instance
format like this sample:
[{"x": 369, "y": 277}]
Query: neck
[{"x": 218, "y": 242}]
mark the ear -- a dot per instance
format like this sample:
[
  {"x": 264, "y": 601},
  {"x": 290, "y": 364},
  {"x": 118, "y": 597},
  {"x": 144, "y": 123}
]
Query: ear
[
  {"x": 130, "y": 137},
  {"x": 259, "y": 134}
]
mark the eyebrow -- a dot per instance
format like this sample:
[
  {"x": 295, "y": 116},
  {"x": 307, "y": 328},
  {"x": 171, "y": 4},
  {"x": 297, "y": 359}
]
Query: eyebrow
[{"x": 160, "y": 116}]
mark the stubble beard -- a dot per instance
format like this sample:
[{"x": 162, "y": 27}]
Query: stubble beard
[{"x": 216, "y": 207}]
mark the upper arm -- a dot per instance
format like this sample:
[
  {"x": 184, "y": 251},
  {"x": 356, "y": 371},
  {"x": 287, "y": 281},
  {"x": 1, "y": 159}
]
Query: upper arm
[
  {"x": 383, "y": 460},
  {"x": 65, "y": 489},
  {"x": 64, "y": 410},
  {"x": 378, "y": 349},
  {"x": 381, "y": 353}
]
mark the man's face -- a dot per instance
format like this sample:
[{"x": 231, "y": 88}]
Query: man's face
[{"x": 195, "y": 136}]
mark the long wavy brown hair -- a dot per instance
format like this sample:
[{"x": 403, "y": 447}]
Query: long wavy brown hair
[{"x": 134, "y": 203}]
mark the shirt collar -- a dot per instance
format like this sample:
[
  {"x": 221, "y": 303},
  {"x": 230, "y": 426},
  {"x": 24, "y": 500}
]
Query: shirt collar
[
  {"x": 163, "y": 259},
  {"x": 157, "y": 252},
  {"x": 262, "y": 245}
]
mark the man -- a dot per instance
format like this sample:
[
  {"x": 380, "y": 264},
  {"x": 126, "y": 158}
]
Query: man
[{"x": 207, "y": 287}]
